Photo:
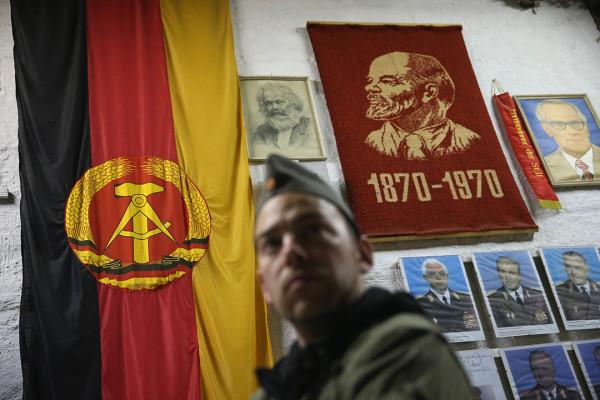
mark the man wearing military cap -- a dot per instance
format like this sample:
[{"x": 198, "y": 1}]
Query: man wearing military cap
[
  {"x": 351, "y": 343},
  {"x": 579, "y": 296},
  {"x": 514, "y": 304},
  {"x": 451, "y": 310}
]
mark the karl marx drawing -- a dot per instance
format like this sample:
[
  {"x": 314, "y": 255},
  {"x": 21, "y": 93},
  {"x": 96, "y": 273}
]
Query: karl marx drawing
[
  {"x": 412, "y": 94},
  {"x": 284, "y": 126}
]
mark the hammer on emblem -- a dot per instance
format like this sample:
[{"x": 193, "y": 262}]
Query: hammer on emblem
[{"x": 140, "y": 211}]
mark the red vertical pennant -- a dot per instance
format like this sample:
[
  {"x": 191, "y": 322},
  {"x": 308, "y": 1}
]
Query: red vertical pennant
[
  {"x": 148, "y": 340},
  {"x": 521, "y": 144}
]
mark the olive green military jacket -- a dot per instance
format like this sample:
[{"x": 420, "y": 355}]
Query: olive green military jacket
[{"x": 403, "y": 357}]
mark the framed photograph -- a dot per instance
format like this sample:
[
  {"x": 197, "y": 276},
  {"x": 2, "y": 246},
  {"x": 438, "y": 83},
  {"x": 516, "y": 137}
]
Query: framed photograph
[
  {"x": 574, "y": 273},
  {"x": 280, "y": 117},
  {"x": 564, "y": 130},
  {"x": 483, "y": 374},
  {"x": 441, "y": 287},
  {"x": 514, "y": 296},
  {"x": 536, "y": 371},
  {"x": 588, "y": 355}
]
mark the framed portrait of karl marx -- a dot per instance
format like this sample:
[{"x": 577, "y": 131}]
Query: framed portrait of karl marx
[
  {"x": 280, "y": 118},
  {"x": 440, "y": 286},
  {"x": 513, "y": 293},
  {"x": 574, "y": 274},
  {"x": 564, "y": 130}
]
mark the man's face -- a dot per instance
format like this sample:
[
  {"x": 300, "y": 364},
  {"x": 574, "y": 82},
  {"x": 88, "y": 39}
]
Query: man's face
[
  {"x": 563, "y": 123},
  {"x": 278, "y": 111},
  {"x": 390, "y": 93},
  {"x": 577, "y": 269},
  {"x": 509, "y": 275},
  {"x": 437, "y": 277},
  {"x": 543, "y": 371},
  {"x": 309, "y": 261}
]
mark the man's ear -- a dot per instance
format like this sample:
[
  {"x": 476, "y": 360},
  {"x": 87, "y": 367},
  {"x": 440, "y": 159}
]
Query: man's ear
[
  {"x": 365, "y": 254},
  {"x": 430, "y": 92}
]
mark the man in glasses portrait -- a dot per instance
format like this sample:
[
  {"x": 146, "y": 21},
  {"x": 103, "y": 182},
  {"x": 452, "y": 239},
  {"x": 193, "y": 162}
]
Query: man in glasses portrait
[
  {"x": 577, "y": 158},
  {"x": 451, "y": 310}
]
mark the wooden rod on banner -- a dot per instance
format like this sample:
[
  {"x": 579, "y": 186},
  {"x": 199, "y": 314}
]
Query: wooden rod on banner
[{"x": 379, "y": 24}]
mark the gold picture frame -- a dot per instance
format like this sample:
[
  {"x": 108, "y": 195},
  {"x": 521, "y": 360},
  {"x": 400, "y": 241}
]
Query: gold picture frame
[
  {"x": 569, "y": 150},
  {"x": 280, "y": 117}
]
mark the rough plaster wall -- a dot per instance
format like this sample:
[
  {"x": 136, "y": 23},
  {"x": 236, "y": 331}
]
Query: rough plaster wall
[{"x": 554, "y": 51}]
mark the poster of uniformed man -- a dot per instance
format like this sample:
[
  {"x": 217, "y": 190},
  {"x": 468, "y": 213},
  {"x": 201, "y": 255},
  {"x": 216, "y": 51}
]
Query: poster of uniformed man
[
  {"x": 440, "y": 286},
  {"x": 588, "y": 354},
  {"x": 575, "y": 275},
  {"x": 514, "y": 294},
  {"x": 541, "y": 372}
]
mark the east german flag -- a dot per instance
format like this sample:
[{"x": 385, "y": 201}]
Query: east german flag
[{"x": 137, "y": 215}]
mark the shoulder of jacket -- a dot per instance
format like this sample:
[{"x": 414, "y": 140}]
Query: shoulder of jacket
[
  {"x": 461, "y": 292},
  {"x": 491, "y": 292},
  {"x": 533, "y": 288}
]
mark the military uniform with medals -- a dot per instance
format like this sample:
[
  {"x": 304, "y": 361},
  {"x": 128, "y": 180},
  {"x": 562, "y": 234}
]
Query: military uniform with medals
[
  {"x": 507, "y": 312},
  {"x": 458, "y": 316},
  {"x": 562, "y": 393},
  {"x": 575, "y": 304}
]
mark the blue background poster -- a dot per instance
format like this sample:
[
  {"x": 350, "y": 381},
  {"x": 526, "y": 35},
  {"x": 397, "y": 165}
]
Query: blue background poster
[{"x": 520, "y": 371}]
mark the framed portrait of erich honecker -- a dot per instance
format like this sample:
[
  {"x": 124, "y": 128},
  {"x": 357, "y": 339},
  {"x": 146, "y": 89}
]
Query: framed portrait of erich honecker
[
  {"x": 440, "y": 286},
  {"x": 574, "y": 273},
  {"x": 514, "y": 296},
  {"x": 565, "y": 132},
  {"x": 280, "y": 118}
]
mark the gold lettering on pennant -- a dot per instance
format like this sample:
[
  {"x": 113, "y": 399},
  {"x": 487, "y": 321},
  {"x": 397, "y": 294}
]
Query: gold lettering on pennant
[
  {"x": 140, "y": 212},
  {"x": 515, "y": 118}
]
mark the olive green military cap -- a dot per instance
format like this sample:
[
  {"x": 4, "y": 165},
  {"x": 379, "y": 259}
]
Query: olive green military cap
[{"x": 285, "y": 176}]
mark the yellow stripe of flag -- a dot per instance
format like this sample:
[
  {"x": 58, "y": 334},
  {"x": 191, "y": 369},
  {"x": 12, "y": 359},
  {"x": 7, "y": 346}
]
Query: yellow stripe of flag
[{"x": 231, "y": 315}]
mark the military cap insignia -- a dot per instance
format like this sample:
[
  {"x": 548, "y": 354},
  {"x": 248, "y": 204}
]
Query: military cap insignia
[
  {"x": 137, "y": 223},
  {"x": 540, "y": 315}
]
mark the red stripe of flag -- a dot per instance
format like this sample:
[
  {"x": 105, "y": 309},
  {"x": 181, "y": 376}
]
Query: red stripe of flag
[{"x": 148, "y": 341}]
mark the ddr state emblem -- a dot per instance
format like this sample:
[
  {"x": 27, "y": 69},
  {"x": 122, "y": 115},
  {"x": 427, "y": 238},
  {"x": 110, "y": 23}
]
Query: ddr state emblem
[{"x": 137, "y": 222}]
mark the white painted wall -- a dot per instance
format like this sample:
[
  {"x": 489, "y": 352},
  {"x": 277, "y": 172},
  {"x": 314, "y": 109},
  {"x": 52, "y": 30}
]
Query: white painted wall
[{"x": 553, "y": 51}]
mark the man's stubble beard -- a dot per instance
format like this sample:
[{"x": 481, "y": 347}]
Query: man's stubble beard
[{"x": 385, "y": 110}]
